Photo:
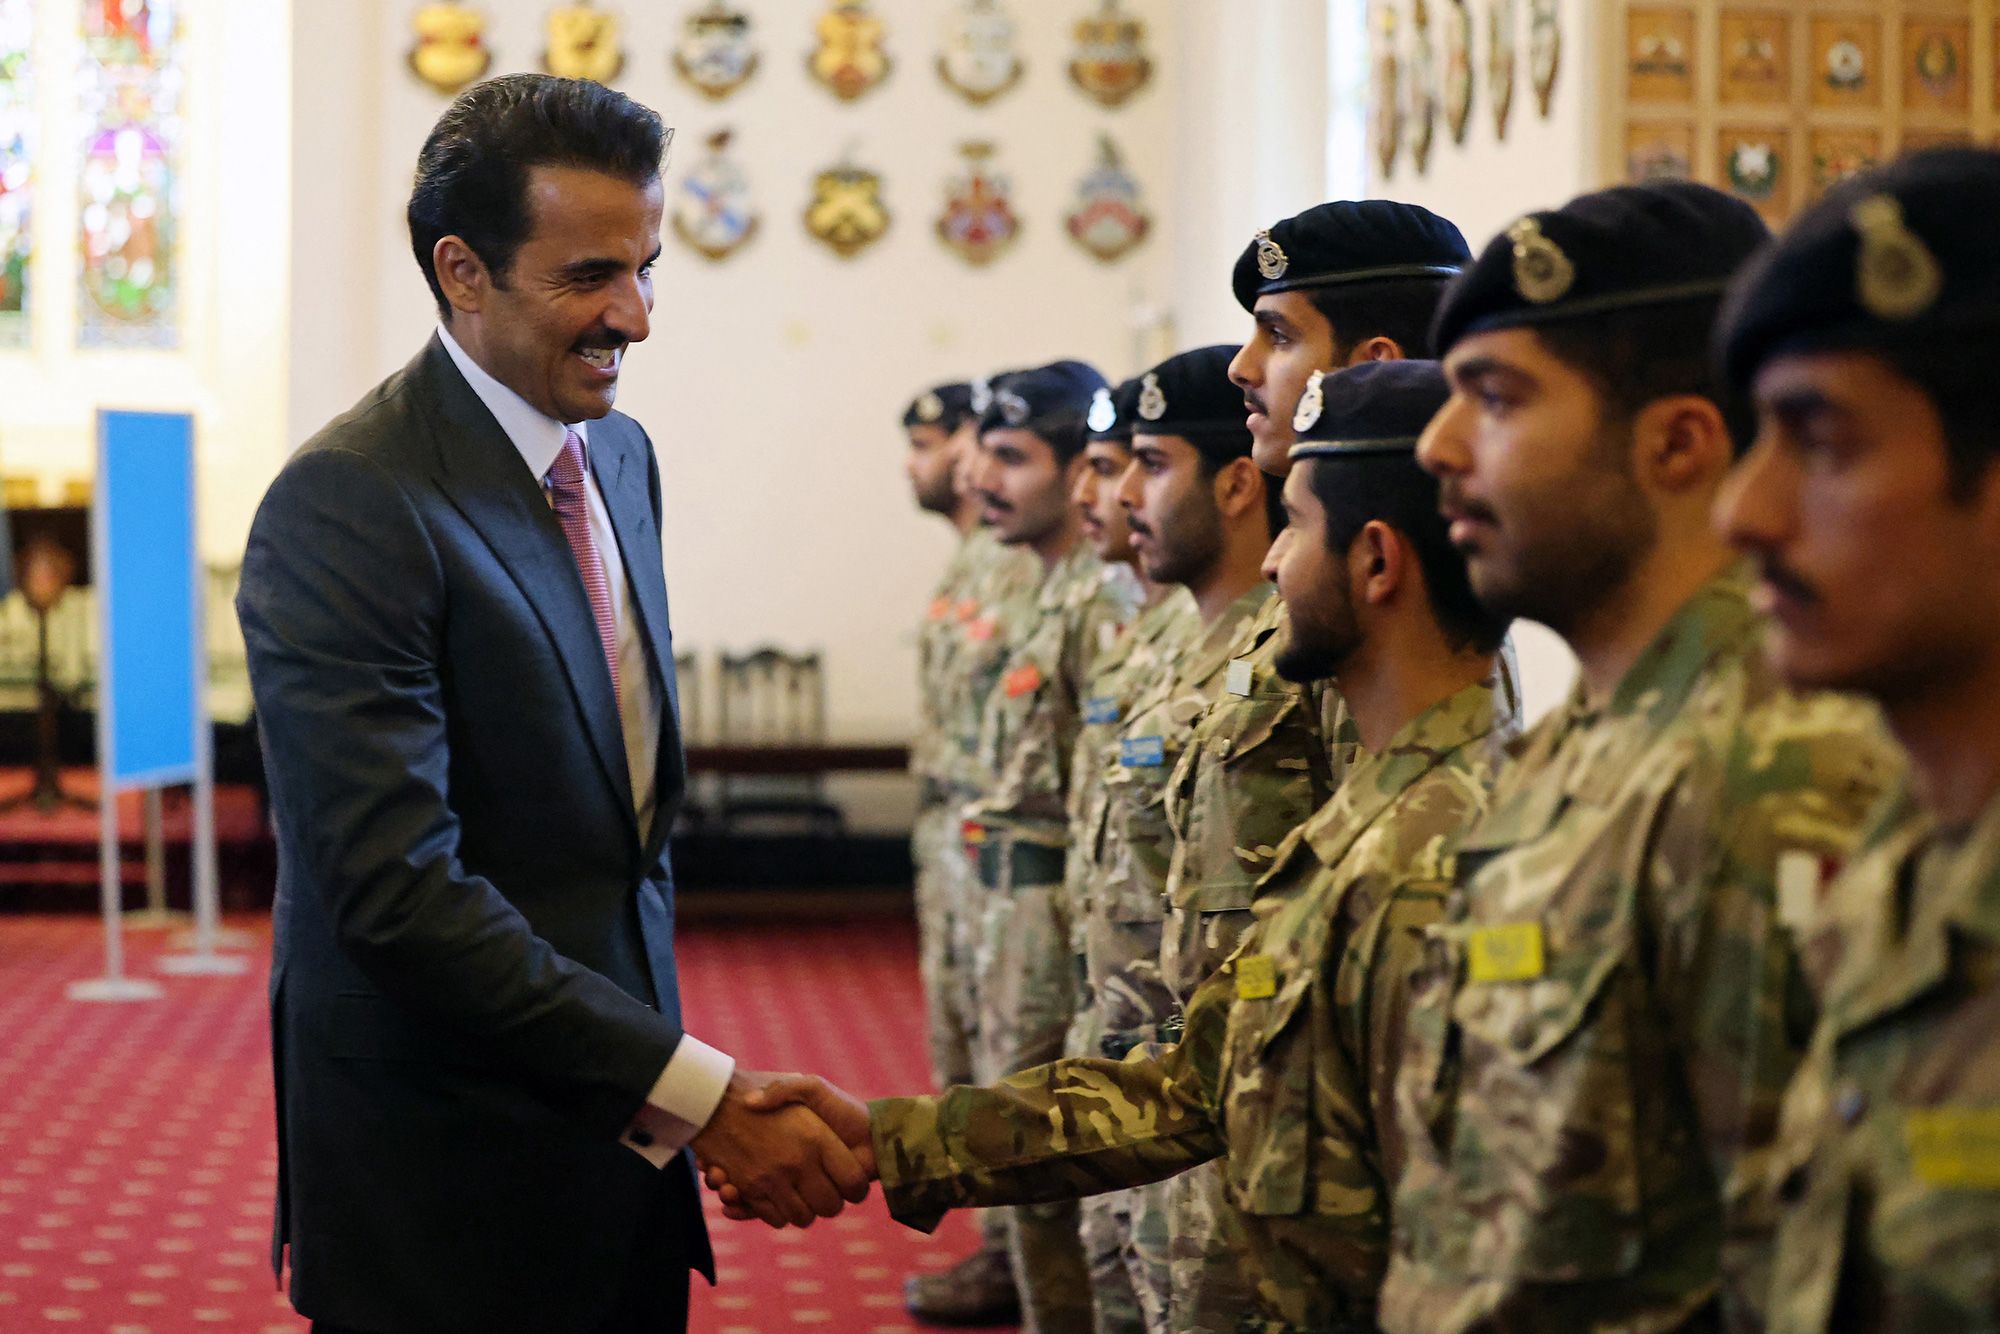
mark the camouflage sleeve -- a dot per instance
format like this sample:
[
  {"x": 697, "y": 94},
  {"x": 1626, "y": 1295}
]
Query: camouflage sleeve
[
  {"x": 1074, "y": 1127},
  {"x": 1796, "y": 779},
  {"x": 1372, "y": 1002}
]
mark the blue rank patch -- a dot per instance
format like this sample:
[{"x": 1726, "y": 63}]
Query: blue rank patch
[
  {"x": 1100, "y": 709},
  {"x": 1142, "y": 752}
]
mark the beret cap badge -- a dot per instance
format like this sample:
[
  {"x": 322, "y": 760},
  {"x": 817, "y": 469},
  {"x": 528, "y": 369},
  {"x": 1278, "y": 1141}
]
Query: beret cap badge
[
  {"x": 982, "y": 395},
  {"x": 1152, "y": 399},
  {"x": 1271, "y": 258},
  {"x": 1311, "y": 403},
  {"x": 1895, "y": 275},
  {"x": 930, "y": 408},
  {"x": 1013, "y": 408},
  {"x": 1103, "y": 413},
  {"x": 1542, "y": 272}
]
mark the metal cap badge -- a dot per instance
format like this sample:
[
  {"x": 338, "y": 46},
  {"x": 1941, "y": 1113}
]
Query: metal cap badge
[
  {"x": 1013, "y": 408},
  {"x": 1152, "y": 399},
  {"x": 1542, "y": 272},
  {"x": 1311, "y": 403},
  {"x": 1103, "y": 413},
  {"x": 1896, "y": 276},
  {"x": 982, "y": 395},
  {"x": 930, "y": 408},
  {"x": 1271, "y": 258}
]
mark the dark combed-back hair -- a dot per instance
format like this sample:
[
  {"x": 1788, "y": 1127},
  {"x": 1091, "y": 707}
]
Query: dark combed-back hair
[
  {"x": 1402, "y": 310},
  {"x": 1641, "y": 354},
  {"x": 472, "y": 174},
  {"x": 1364, "y": 488}
]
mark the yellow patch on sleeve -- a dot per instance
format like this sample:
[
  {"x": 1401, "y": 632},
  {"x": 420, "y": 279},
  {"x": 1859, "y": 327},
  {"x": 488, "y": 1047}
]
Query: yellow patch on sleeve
[
  {"x": 1954, "y": 1147},
  {"x": 1510, "y": 953},
  {"x": 1256, "y": 977}
]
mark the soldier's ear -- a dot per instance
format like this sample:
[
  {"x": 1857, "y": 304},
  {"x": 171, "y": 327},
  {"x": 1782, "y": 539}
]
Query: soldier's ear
[{"x": 1377, "y": 563}]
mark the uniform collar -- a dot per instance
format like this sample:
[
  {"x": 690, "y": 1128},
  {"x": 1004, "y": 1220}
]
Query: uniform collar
[{"x": 537, "y": 436}]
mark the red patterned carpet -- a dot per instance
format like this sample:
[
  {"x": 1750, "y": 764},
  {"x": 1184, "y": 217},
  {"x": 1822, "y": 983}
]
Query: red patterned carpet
[{"x": 136, "y": 1154}]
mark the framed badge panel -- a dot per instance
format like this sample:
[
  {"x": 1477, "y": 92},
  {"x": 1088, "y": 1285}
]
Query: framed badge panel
[{"x": 1777, "y": 99}]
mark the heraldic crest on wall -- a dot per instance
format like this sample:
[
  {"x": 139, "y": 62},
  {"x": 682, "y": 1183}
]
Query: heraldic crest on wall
[
  {"x": 1500, "y": 21},
  {"x": 714, "y": 54},
  {"x": 714, "y": 214},
  {"x": 978, "y": 222},
  {"x": 450, "y": 52},
  {"x": 1110, "y": 63},
  {"x": 1108, "y": 219},
  {"x": 847, "y": 213},
  {"x": 979, "y": 61},
  {"x": 1385, "y": 112},
  {"x": 849, "y": 59},
  {"x": 582, "y": 44}
]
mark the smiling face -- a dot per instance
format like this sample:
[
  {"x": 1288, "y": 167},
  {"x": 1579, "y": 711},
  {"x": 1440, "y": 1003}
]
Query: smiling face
[
  {"x": 1876, "y": 573},
  {"x": 1536, "y": 479},
  {"x": 1291, "y": 342},
  {"x": 1023, "y": 488},
  {"x": 554, "y": 326},
  {"x": 1170, "y": 498},
  {"x": 1096, "y": 498}
]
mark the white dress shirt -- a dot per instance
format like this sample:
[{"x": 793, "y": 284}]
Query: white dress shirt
[{"x": 691, "y": 1086}]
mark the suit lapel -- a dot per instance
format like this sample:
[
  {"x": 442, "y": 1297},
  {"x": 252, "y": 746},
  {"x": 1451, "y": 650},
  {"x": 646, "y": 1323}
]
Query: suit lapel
[
  {"x": 622, "y": 479},
  {"x": 484, "y": 477}
]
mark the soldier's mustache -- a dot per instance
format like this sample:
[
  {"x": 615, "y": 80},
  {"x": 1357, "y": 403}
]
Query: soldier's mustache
[
  {"x": 1787, "y": 582},
  {"x": 1254, "y": 403}
]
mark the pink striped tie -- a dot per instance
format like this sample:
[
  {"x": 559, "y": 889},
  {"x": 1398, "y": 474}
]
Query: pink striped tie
[{"x": 572, "y": 507}]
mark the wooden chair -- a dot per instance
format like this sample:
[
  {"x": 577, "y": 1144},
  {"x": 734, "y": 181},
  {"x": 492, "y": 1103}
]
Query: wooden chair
[{"x": 770, "y": 697}]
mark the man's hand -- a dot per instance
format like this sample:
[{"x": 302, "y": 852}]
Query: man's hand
[
  {"x": 783, "y": 1163},
  {"x": 842, "y": 1112}
]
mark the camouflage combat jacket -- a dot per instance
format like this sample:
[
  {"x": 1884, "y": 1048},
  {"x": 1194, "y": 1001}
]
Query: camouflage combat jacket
[
  {"x": 1888, "y": 1159},
  {"x": 1137, "y": 658},
  {"x": 1257, "y": 764},
  {"x": 980, "y": 570},
  {"x": 1608, "y": 1015},
  {"x": 1130, "y": 846},
  {"x": 1032, "y": 716},
  {"x": 1003, "y": 586},
  {"x": 1288, "y": 1058}
]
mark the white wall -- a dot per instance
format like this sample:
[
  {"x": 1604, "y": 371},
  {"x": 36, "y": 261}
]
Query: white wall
[{"x": 773, "y": 383}]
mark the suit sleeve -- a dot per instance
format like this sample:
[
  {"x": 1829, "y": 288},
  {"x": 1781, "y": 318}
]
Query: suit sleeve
[
  {"x": 1074, "y": 1127},
  {"x": 342, "y": 603}
]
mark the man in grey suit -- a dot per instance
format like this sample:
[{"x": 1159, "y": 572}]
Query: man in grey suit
[{"x": 457, "y": 624}]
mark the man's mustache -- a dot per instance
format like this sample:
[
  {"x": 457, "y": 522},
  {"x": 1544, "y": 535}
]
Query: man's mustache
[{"x": 1786, "y": 581}]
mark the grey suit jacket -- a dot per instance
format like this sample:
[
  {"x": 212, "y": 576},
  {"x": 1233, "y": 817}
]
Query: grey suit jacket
[{"x": 473, "y": 984}]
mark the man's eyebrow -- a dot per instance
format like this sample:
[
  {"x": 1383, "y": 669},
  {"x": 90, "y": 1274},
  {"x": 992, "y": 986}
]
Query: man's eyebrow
[
  {"x": 1271, "y": 319},
  {"x": 1802, "y": 402}
]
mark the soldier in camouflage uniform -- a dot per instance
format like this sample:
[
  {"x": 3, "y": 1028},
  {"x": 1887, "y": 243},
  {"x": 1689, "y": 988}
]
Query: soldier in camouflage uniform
[
  {"x": 1611, "y": 1006},
  {"x": 953, "y": 665},
  {"x": 1339, "y": 284},
  {"x": 1869, "y": 502},
  {"x": 1030, "y": 453},
  {"x": 1134, "y": 661},
  {"x": 1290, "y": 1050},
  {"x": 1201, "y": 518}
]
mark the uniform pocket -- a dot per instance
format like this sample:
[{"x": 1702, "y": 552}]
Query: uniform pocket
[{"x": 1544, "y": 1141}]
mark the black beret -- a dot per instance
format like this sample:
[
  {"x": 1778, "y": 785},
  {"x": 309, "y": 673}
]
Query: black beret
[
  {"x": 1110, "y": 415},
  {"x": 1900, "y": 254},
  {"x": 1616, "y": 249},
  {"x": 1191, "y": 396},
  {"x": 1348, "y": 241},
  {"x": 1033, "y": 400},
  {"x": 945, "y": 405},
  {"x": 1378, "y": 407}
]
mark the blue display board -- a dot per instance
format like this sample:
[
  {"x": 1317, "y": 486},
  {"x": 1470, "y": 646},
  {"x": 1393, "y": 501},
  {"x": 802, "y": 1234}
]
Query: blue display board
[{"x": 148, "y": 692}]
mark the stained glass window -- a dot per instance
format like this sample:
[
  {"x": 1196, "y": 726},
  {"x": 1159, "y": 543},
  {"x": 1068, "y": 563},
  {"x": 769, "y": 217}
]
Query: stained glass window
[
  {"x": 131, "y": 83},
  {"x": 17, "y": 122}
]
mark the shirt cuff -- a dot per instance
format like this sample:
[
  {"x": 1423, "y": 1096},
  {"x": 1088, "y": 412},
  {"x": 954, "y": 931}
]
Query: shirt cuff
[{"x": 683, "y": 1098}]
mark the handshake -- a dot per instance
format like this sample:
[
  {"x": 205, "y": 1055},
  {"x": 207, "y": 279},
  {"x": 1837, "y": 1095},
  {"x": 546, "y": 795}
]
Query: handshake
[{"x": 786, "y": 1149}]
